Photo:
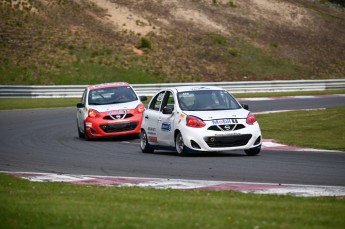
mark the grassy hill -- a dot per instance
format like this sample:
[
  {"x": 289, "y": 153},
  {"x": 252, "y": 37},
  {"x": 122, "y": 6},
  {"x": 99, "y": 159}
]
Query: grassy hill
[{"x": 94, "y": 41}]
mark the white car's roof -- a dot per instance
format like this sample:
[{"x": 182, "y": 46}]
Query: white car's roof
[{"x": 194, "y": 88}]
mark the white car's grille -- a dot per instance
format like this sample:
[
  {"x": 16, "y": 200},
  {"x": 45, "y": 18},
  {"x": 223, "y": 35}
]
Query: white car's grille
[
  {"x": 228, "y": 141},
  {"x": 230, "y": 127}
]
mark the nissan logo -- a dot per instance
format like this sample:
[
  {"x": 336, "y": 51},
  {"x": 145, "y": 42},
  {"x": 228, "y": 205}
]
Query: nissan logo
[{"x": 227, "y": 127}]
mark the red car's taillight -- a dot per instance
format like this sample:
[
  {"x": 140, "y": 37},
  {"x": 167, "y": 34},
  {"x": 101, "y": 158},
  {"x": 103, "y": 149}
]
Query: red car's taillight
[
  {"x": 250, "y": 119},
  {"x": 140, "y": 108},
  {"x": 195, "y": 122},
  {"x": 92, "y": 113}
]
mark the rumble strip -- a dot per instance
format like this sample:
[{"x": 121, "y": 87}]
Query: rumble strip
[{"x": 159, "y": 183}]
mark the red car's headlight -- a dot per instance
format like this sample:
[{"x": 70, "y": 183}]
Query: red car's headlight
[
  {"x": 140, "y": 108},
  {"x": 93, "y": 113},
  {"x": 195, "y": 122}
]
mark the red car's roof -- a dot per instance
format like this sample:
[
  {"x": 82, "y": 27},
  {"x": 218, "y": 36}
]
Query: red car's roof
[{"x": 106, "y": 85}]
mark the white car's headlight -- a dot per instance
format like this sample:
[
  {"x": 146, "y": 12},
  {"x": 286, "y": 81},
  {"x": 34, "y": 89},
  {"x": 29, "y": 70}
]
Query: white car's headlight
[
  {"x": 250, "y": 119},
  {"x": 195, "y": 122}
]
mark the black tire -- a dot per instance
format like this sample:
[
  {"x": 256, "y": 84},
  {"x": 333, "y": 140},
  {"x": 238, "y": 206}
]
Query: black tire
[
  {"x": 179, "y": 145},
  {"x": 86, "y": 135},
  {"x": 144, "y": 145},
  {"x": 253, "y": 151},
  {"x": 80, "y": 134}
]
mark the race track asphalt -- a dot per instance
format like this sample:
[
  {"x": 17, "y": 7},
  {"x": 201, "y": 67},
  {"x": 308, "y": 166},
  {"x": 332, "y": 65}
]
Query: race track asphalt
[{"x": 45, "y": 140}]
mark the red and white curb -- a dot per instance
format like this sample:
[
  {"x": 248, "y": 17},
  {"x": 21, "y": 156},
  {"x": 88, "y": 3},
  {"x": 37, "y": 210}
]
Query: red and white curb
[{"x": 161, "y": 183}]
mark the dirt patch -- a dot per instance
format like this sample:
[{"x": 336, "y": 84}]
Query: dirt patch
[
  {"x": 280, "y": 12},
  {"x": 190, "y": 40},
  {"x": 124, "y": 19}
]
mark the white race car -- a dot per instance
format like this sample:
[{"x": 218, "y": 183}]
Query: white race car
[{"x": 192, "y": 119}]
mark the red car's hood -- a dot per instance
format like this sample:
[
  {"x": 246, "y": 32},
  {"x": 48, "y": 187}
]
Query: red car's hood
[{"x": 114, "y": 107}]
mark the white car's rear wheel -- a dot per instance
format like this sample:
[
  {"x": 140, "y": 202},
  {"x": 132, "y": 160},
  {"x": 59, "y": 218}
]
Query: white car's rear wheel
[{"x": 179, "y": 144}]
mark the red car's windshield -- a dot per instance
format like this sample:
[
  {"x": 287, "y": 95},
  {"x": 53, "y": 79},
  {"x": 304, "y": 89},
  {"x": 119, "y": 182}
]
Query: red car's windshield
[{"x": 111, "y": 95}]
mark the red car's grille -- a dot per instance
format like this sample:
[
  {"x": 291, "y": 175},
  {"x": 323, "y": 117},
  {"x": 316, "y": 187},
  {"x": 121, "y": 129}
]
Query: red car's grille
[
  {"x": 119, "y": 116},
  {"x": 119, "y": 127},
  {"x": 228, "y": 141}
]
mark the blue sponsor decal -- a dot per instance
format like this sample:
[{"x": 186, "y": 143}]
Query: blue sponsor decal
[
  {"x": 222, "y": 121},
  {"x": 166, "y": 127}
]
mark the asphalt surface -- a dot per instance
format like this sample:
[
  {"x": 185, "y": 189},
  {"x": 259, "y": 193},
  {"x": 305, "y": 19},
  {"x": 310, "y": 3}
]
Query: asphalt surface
[{"x": 45, "y": 140}]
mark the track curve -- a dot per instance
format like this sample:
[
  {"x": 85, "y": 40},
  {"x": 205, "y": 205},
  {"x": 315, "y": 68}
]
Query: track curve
[{"x": 45, "y": 140}]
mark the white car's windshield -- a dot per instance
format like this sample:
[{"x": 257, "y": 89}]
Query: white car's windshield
[
  {"x": 205, "y": 100},
  {"x": 112, "y": 95}
]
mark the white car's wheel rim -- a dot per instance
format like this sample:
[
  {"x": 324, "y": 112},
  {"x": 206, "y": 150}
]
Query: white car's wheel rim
[
  {"x": 179, "y": 143},
  {"x": 143, "y": 140}
]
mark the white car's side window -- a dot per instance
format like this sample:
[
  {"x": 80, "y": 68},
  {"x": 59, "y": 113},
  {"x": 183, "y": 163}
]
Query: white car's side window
[
  {"x": 168, "y": 100},
  {"x": 157, "y": 101}
]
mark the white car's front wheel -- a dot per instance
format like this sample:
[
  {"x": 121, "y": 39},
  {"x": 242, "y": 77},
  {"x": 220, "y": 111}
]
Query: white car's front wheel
[
  {"x": 144, "y": 145},
  {"x": 179, "y": 144},
  {"x": 253, "y": 151}
]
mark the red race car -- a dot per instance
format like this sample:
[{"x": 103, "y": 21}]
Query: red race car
[{"x": 108, "y": 110}]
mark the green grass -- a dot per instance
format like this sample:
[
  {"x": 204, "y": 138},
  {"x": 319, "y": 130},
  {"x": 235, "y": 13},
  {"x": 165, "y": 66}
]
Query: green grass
[
  {"x": 74, "y": 74},
  {"x": 10, "y": 104},
  {"x": 262, "y": 65},
  {"x": 292, "y": 93},
  {"x": 322, "y": 129},
  {"x": 25, "y": 204}
]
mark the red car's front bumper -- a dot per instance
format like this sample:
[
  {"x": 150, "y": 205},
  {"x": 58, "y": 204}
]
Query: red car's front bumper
[{"x": 103, "y": 126}]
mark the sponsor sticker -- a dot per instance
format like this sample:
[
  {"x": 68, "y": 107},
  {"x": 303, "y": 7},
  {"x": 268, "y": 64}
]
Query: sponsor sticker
[
  {"x": 151, "y": 129},
  {"x": 166, "y": 126},
  {"x": 226, "y": 134},
  {"x": 222, "y": 121},
  {"x": 153, "y": 139},
  {"x": 200, "y": 88},
  {"x": 116, "y": 112}
]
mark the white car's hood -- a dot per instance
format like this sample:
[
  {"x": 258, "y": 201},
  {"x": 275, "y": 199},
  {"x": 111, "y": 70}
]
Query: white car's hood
[
  {"x": 118, "y": 106},
  {"x": 219, "y": 114}
]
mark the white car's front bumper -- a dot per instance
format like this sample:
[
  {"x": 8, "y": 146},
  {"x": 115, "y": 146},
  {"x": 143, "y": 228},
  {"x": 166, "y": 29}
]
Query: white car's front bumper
[{"x": 204, "y": 139}]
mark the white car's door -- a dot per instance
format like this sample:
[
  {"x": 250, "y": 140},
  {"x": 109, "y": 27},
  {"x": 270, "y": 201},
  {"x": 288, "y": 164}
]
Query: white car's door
[
  {"x": 166, "y": 121},
  {"x": 152, "y": 118}
]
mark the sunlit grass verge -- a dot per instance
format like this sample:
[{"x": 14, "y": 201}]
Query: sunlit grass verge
[
  {"x": 10, "y": 104},
  {"x": 22, "y": 103},
  {"x": 58, "y": 205},
  {"x": 322, "y": 129},
  {"x": 74, "y": 74},
  {"x": 291, "y": 93}
]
